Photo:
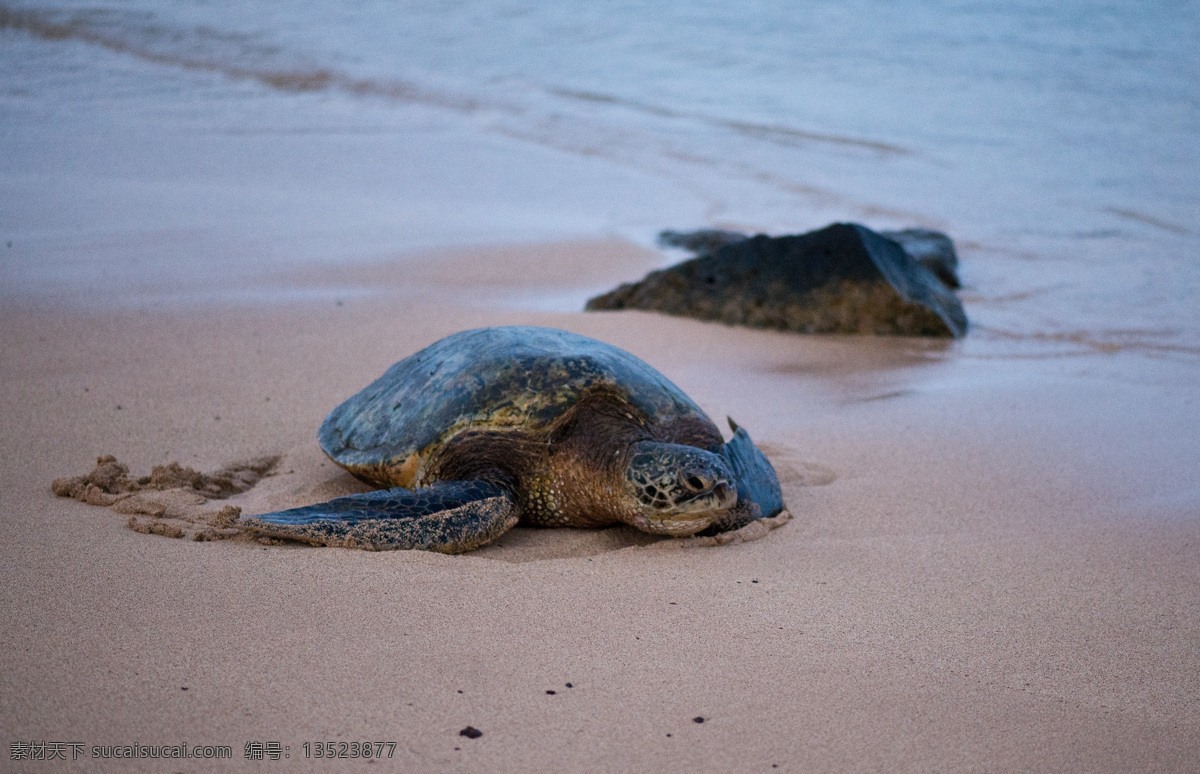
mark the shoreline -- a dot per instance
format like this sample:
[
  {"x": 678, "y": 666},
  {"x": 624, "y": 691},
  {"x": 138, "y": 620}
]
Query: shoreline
[{"x": 991, "y": 562}]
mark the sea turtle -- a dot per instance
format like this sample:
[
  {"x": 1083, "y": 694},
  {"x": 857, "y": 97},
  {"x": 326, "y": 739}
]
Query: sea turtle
[{"x": 494, "y": 426}]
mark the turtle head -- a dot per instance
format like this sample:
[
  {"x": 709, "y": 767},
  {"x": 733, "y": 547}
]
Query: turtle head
[{"x": 678, "y": 490}]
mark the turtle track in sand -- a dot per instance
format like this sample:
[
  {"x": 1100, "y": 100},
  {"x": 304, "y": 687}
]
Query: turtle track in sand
[{"x": 172, "y": 500}]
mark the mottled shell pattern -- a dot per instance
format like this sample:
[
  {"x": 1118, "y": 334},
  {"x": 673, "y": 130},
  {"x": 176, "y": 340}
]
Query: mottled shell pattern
[{"x": 520, "y": 379}]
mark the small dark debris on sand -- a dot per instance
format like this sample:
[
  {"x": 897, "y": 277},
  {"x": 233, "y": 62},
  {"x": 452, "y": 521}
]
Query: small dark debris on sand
[
  {"x": 471, "y": 732},
  {"x": 171, "y": 500},
  {"x": 844, "y": 278}
]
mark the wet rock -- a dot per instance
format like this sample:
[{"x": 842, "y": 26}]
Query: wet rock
[
  {"x": 932, "y": 249},
  {"x": 701, "y": 242},
  {"x": 844, "y": 278}
]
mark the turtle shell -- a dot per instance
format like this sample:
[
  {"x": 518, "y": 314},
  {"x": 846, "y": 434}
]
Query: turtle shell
[{"x": 499, "y": 379}]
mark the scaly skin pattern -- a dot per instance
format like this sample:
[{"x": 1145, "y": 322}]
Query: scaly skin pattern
[
  {"x": 450, "y": 517},
  {"x": 542, "y": 504}
]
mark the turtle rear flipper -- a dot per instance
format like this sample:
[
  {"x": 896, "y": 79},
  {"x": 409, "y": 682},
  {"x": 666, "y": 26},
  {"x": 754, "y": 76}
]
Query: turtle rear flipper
[
  {"x": 449, "y": 516},
  {"x": 759, "y": 495}
]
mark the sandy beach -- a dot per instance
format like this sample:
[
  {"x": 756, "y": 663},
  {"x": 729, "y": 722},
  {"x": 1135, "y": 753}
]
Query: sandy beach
[
  {"x": 215, "y": 228},
  {"x": 984, "y": 573}
]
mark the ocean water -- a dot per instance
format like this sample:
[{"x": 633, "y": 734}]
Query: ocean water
[{"x": 1059, "y": 144}]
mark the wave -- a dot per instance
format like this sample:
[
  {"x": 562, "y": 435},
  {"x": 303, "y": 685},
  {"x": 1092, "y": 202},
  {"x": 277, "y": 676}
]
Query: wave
[
  {"x": 1149, "y": 220},
  {"x": 233, "y": 55},
  {"x": 772, "y": 132},
  {"x": 154, "y": 43},
  {"x": 1083, "y": 342}
]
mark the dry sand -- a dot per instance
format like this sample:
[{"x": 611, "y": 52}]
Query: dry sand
[{"x": 993, "y": 564}]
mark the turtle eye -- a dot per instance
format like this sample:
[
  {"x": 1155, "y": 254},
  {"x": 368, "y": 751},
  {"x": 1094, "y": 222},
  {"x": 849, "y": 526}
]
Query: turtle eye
[{"x": 695, "y": 483}]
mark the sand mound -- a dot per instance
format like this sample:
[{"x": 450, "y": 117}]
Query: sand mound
[{"x": 172, "y": 497}]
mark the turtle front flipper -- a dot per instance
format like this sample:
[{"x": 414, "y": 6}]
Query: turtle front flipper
[
  {"x": 758, "y": 490},
  {"x": 449, "y": 516}
]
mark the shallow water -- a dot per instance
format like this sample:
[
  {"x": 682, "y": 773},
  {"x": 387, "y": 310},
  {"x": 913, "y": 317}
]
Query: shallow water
[{"x": 1059, "y": 145}]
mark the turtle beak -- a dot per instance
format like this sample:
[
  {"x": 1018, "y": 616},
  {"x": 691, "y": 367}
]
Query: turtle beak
[
  {"x": 707, "y": 508},
  {"x": 674, "y": 525},
  {"x": 719, "y": 499}
]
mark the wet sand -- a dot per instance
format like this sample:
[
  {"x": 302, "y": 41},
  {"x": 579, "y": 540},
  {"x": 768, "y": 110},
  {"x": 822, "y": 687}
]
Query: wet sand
[{"x": 992, "y": 565}]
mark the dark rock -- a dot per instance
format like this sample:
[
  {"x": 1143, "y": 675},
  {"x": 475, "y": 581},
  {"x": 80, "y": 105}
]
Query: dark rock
[
  {"x": 471, "y": 732},
  {"x": 701, "y": 242},
  {"x": 844, "y": 278},
  {"x": 932, "y": 249}
]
